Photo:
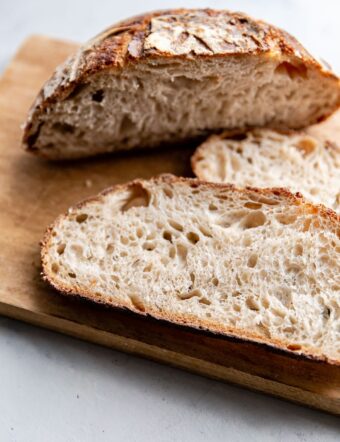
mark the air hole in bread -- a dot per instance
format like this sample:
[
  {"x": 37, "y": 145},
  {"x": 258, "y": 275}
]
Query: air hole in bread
[
  {"x": 215, "y": 281},
  {"x": 298, "y": 250},
  {"x": 204, "y": 301},
  {"x": 139, "y": 232},
  {"x": 78, "y": 250},
  {"x": 252, "y": 304},
  {"x": 168, "y": 192},
  {"x": 61, "y": 248},
  {"x": 63, "y": 128},
  {"x": 307, "y": 144},
  {"x": 175, "y": 225},
  {"x": 167, "y": 235},
  {"x": 265, "y": 200},
  {"x": 149, "y": 246},
  {"x": 286, "y": 219},
  {"x": 212, "y": 207},
  {"x": 124, "y": 240},
  {"x": 237, "y": 308},
  {"x": 72, "y": 275},
  {"x": 139, "y": 197},
  {"x": 306, "y": 225},
  {"x": 137, "y": 303},
  {"x": 278, "y": 312},
  {"x": 172, "y": 252},
  {"x": 182, "y": 252},
  {"x": 294, "y": 347},
  {"x": 252, "y": 260},
  {"x": 55, "y": 267},
  {"x": 254, "y": 219},
  {"x": 265, "y": 303},
  {"x": 252, "y": 205},
  {"x": 326, "y": 313},
  {"x": 205, "y": 231},
  {"x": 193, "y": 237},
  {"x": 109, "y": 248},
  {"x": 98, "y": 96},
  {"x": 293, "y": 71},
  {"x": 189, "y": 295},
  {"x": 147, "y": 268},
  {"x": 81, "y": 217}
]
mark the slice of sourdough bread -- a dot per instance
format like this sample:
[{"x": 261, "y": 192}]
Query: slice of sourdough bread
[
  {"x": 171, "y": 75},
  {"x": 260, "y": 265},
  {"x": 267, "y": 158}
]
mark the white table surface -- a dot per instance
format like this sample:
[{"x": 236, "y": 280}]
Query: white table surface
[{"x": 55, "y": 388}]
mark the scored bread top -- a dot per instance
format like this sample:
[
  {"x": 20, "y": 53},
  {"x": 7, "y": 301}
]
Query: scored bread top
[
  {"x": 179, "y": 33},
  {"x": 259, "y": 265}
]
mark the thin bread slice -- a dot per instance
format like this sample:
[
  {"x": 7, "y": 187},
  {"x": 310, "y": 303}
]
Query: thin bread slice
[
  {"x": 260, "y": 265},
  {"x": 171, "y": 75},
  {"x": 267, "y": 158}
]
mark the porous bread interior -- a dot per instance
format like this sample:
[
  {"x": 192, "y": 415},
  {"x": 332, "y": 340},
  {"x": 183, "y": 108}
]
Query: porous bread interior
[
  {"x": 240, "y": 262},
  {"x": 266, "y": 158},
  {"x": 162, "y": 101}
]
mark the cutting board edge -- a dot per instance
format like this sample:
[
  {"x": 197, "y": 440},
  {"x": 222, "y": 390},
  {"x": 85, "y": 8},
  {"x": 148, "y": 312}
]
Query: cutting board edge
[{"x": 172, "y": 358}]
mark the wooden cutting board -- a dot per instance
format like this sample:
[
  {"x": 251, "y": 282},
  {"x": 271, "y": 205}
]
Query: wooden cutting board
[{"x": 33, "y": 192}]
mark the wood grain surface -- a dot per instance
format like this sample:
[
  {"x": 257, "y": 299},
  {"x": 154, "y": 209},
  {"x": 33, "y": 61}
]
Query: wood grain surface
[{"x": 33, "y": 192}]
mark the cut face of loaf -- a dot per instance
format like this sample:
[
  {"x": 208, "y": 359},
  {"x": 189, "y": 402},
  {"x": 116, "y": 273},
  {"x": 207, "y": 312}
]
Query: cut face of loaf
[
  {"x": 174, "y": 75},
  {"x": 260, "y": 265},
  {"x": 266, "y": 158}
]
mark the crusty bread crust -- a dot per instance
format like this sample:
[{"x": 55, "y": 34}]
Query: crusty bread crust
[
  {"x": 187, "y": 319},
  {"x": 165, "y": 35}
]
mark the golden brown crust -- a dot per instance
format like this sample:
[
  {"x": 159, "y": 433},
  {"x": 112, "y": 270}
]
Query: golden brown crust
[
  {"x": 191, "y": 320},
  {"x": 178, "y": 33}
]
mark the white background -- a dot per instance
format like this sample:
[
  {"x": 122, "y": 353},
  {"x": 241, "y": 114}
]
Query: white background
[{"x": 55, "y": 388}]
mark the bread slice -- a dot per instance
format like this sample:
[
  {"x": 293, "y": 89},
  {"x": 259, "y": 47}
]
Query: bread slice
[
  {"x": 172, "y": 75},
  {"x": 260, "y": 265},
  {"x": 267, "y": 158}
]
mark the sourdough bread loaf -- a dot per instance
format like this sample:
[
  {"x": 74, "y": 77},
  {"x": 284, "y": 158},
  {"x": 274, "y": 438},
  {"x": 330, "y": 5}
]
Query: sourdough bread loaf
[
  {"x": 259, "y": 265},
  {"x": 171, "y": 75}
]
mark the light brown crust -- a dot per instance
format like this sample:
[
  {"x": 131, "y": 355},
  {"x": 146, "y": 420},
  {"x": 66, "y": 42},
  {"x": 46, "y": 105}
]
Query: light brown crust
[
  {"x": 170, "y": 34},
  {"x": 190, "y": 320}
]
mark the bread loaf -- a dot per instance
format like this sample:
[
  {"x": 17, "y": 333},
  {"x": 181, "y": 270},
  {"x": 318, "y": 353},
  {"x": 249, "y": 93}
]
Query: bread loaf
[{"x": 172, "y": 75}]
